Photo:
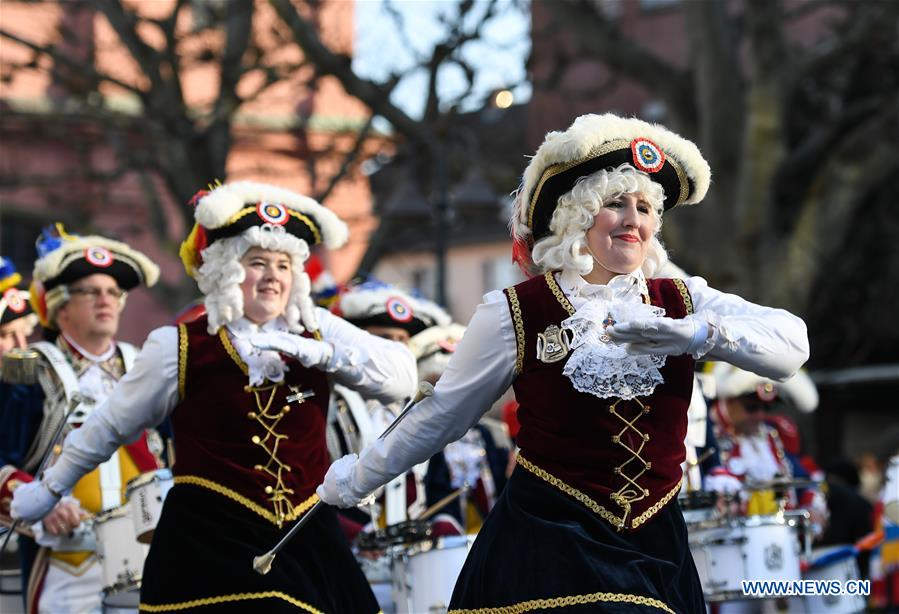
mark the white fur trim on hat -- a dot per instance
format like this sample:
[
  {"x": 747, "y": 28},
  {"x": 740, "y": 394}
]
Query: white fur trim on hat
[
  {"x": 428, "y": 341},
  {"x": 359, "y": 303},
  {"x": 589, "y": 132},
  {"x": 53, "y": 264},
  {"x": 732, "y": 382},
  {"x": 218, "y": 206},
  {"x": 801, "y": 391}
]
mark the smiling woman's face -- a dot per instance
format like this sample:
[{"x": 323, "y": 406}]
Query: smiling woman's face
[
  {"x": 266, "y": 287},
  {"x": 620, "y": 236}
]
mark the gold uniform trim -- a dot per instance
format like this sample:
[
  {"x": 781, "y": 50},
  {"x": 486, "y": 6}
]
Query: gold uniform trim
[
  {"x": 569, "y": 490},
  {"x": 570, "y": 600},
  {"x": 295, "y": 513},
  {"x": 184, "y": 605},
  {"x": 685, "y": 294},
  {"x": 182, "y": 360},
  {"x": 649, "y": 513},
  {"x": 590, "y": 503},
  {"x": 557, "y": 292},
  {"x": 519, "y": 328},
  {"x": 292, "y": 212},
  {"x": 229, "y": 347}
]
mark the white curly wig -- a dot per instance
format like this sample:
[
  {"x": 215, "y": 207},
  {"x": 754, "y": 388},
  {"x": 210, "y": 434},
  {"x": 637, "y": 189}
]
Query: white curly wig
[
  {"x": 220, "y": 276},
  {"x": 565, "y": 248}
]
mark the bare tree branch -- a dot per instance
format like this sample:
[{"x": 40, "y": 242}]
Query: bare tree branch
[
  {"x": 599, "y": 38},
  {"x": 349, "y": 160},
  {"x": 376, "y": 96}
]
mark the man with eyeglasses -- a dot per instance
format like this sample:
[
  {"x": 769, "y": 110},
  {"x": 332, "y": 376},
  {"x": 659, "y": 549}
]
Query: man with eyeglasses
[{"x": 78, "y": 292}]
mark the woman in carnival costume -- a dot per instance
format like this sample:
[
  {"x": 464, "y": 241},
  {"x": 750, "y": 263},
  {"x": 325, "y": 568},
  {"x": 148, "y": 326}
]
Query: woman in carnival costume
[
  {"x": 601, "y": 355},
  {"x": 246, "y": 387}
]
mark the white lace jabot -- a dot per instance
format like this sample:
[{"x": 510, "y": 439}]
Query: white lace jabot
[
  {"x": 597, "y": 365},
  {"x": 262, "y": 365}
]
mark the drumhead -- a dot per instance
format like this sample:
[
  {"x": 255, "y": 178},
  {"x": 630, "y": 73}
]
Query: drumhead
[{"x": 122, "y": 598}]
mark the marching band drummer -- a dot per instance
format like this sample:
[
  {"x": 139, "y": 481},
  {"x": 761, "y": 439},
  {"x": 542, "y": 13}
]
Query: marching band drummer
[
  {"x": 389, "y": 312},
  {"x": 600, "y": 354},
  {"x": 79, "y": 289},
  {"x": 247, "y": 389},
  {"x": 752, "y": 448}
]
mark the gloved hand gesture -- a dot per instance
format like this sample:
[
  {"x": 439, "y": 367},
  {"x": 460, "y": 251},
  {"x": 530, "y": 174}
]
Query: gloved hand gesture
[
  {"x": 660, "y": 335},
  {"x": 335, "y": 490},
  {"x": 32, "y": 501},
  {"x": 309, "y": 352}
]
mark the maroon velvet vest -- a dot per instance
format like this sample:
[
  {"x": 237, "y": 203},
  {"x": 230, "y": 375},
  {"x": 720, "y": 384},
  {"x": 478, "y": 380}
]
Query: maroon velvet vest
[
  {"x": 620, "y": 458},
  {"x": 248, "y": 444}
]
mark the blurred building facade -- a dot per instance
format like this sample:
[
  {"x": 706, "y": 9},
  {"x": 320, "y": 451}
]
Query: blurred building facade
[{"x": 59, "y": 163}]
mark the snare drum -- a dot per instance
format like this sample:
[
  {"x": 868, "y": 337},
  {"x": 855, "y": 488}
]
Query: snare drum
[
  {"x": 697, "y": 506},
  {"x": 121, "y": 557},
  {"x": 145, "y": 495},
  {"x": 746, "y": 548},
  {"x": 842, "y": 569},
  {"x": 424, "y": 574},
  {"x": 377, "y": 572}
]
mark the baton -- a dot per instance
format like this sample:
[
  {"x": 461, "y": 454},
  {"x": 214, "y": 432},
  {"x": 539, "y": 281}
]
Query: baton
[
  {"x": 263, "y": 563},
  {"x": 74, "y": 402}
]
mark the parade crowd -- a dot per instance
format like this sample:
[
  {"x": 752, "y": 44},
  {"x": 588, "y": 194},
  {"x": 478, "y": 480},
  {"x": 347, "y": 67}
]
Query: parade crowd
[{"x": 610, "y": 435}]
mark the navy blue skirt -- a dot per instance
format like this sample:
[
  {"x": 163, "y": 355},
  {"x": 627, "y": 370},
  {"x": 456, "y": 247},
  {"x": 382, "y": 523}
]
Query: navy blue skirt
[
  {"x": 202, "y": 557},
  {"x": 542, "y": 550}
]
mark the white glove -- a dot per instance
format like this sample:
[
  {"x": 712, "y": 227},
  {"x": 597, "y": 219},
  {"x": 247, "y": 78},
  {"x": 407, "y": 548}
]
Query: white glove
[
  {"x": 723, "y": 484},
  {"x": 661, "y": 335},
  {"x": 309, "y": 352},
  {"x": 337, "y": 487},
  {"x": 32, "y": 501}
]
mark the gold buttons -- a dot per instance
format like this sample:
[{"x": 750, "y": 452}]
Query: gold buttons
[
  {"x": 251, "y": 415},
  {"x": 269, "y": 490},
  {"x": 285, "y": 409},
  {"x": 255, "y": 439},
  {"x": 615, "y": 438}
]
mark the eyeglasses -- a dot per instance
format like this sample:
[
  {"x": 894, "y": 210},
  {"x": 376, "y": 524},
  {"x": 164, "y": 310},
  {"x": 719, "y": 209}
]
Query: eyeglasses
[{"x": 95, "y": 293}]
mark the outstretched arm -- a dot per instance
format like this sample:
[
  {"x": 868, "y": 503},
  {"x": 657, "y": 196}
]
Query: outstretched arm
[{"x": 481, "y": 369}]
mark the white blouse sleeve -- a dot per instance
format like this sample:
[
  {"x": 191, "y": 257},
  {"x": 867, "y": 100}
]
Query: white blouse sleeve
[
  {"x": 142, "y": 399},
  {"x": 480, "y": 371},
  {"x": 374, "y": 367},
  {"x": 767, "y": 341}
]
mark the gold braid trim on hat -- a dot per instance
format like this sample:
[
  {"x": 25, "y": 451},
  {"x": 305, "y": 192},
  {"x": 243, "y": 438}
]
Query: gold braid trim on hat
[
  {"x": 292, "y": 212},
  {"x": 194, "y": 603},
  {"x": 570, "y": 600},
  {"x": 555, "y": 169}
]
